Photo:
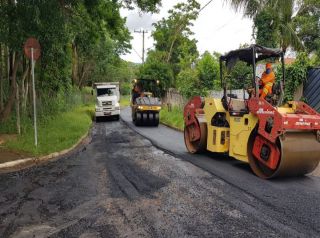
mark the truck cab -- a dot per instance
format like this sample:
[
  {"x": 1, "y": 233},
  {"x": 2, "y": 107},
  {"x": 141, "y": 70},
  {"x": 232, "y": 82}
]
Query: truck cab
[{"x": 108, "y": 97}]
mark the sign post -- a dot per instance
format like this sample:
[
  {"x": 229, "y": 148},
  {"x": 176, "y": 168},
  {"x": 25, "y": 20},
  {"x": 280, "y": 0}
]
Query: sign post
[
  {"x": 34, "y": 101},
  {"x": 32, "y": 51}
]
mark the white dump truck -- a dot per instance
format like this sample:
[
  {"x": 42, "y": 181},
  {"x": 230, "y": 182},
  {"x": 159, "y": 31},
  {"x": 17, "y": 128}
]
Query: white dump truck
[{"x": 108, "y": 98}]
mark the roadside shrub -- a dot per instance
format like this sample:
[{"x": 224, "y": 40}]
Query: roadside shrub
[
  {"x": 189, "y": 84},
  {"x": 296, "y": 74}
]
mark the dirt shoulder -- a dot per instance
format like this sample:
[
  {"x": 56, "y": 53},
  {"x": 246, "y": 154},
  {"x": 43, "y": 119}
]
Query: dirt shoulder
[{"x": 7, "y": 155}]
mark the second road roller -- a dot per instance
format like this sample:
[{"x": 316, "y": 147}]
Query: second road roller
[
  {"x": 275, "y": 138},
  {"x": 145, "y": 102}
]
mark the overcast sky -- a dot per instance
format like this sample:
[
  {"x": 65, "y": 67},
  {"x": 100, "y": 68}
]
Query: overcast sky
[{"x": 218, "y": 28}]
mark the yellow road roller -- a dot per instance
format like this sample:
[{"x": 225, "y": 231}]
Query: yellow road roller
[
  {"x": 275, "y": 138},
  {"x": 145, "y": 102}
]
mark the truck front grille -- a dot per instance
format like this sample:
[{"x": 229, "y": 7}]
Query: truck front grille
[{"x": 107, "y": 103}]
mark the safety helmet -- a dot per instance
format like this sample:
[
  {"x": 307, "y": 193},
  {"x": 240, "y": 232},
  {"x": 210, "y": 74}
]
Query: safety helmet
[{"x": 268, "y": 65}]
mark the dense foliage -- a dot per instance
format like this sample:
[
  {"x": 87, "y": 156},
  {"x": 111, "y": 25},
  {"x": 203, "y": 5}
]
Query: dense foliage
[
  {"x": 209, "y": 72},
  {"x": 81, "y": 43},
  {"x": 175, "y": 60},
  {"x": 308, "y": 27},
  {"x": 296, "y": 74},
  {"x": 174, "y": 48},
  {"x": 265, "y": 29},
  {"x": 273, "y": 21}
]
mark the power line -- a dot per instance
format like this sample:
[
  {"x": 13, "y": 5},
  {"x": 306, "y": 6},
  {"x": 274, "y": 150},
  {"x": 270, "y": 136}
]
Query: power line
[
  {"x": 143, "y": 32},
  {"x": 224, "y": 25},
  {"x": 136, "y": 52},
  {"x": 205, "y": 6}
]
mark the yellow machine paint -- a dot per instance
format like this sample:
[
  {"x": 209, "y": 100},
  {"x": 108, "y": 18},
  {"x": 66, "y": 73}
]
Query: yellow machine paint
[
  {"x": 232, "y": 140},
  {"x": 145, "y": 102},
  {"x": 149, "y": 108},
  {"x": 241, "y": 128},
  {"x": 275, "y": 140}
]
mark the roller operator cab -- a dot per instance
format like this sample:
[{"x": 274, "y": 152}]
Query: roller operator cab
[
  {"x": 145, "y": 102},
  {"x": 107, "y": 101},
  {"x": 275, "y": 138}
]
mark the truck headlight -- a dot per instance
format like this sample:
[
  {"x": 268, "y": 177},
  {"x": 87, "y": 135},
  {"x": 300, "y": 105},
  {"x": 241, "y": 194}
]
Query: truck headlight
[
  {"x": 140, "y": 107},
  {"x": 98, "y": 109},
  {"x": 117, "y": 107}
]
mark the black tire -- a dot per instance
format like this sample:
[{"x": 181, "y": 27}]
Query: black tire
[
  {"x": 133, "y": 115},
  {"x": 156, "y": 119},
  {"x": 138, "y": 118},
  {"x": 117, "y": 117}
]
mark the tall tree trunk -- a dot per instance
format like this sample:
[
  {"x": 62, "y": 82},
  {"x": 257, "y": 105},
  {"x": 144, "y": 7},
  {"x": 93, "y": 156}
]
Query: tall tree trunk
[
  {"x": 24, "y": 90},
  {"x": 18, "y": 110},
  {"x": 82, "y": 74},
  {"x": 11, "y": 63},
  {"x": 1, "y": 77},
  {"x": 75, "y": 77},
  {"x": 5, "y": 113}
]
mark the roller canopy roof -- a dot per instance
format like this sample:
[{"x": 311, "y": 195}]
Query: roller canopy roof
[{"x": 246, "y": 54}]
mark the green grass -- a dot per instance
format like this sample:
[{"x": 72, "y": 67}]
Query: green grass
[
  {"x": 56, "y": 134},
  {"x": 174, "y": 118},
  {"x": 125, "y": 100}
]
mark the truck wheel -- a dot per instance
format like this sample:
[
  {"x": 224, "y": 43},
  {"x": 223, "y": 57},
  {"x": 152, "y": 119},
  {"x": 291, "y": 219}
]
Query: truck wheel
[{"x": 117, "y": 117}]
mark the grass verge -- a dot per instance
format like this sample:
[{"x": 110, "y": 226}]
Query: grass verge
[
  {"x": 125, "y": 100},
  {"x": 173, "y": 118},
  {"x": 56, "y": 134}
]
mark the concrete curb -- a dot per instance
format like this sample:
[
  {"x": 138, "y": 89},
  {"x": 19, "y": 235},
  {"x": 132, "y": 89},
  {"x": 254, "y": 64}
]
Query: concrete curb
[
  {"x": 21, "y": 164},
  {"x": 171, "y": 127}
]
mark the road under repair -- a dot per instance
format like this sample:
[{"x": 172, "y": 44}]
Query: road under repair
[{"x": 121, "y": 185}]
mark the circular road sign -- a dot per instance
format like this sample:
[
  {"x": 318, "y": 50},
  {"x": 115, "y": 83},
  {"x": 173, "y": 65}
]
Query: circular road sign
[{"x": 32, "y": 43}]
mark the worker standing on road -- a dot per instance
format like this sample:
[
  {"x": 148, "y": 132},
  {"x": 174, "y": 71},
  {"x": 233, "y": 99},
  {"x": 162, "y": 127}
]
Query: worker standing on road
[{"x": 268, "y": 79}]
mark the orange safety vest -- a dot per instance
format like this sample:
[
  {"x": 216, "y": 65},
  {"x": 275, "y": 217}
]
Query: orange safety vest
[{"x": 267, "y": 81}]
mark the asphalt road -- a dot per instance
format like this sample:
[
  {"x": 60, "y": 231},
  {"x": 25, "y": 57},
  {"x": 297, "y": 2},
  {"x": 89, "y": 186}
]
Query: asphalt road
[
  {"x": 293, "y": 202},
  {"x": 120, "y": 185}
]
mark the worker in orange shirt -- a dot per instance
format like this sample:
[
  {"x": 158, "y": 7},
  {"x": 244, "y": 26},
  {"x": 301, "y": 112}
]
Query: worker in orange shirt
[{"x": 268, "y": 79}]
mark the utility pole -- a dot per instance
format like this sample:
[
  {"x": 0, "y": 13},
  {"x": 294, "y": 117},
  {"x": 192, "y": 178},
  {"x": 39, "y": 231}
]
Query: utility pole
[{"x": 142, "y": 31}]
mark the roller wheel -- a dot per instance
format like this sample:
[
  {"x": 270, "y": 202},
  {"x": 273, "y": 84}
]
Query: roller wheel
[
  {"x": 199, "y": 145},
  {"x": 138, "y": 119},
  {"x": 299, "y": 155},
  {"x": 156, "y": 119},
  {"x": 259, "y": 168}
]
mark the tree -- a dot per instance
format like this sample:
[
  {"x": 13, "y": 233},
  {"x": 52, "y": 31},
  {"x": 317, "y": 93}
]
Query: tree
[
  {"x": 81, "y": 42},
  {"x": 156, "y": 68},
  {"x": 266, "y": 29},
  {"x": 144, "y": 5},
  {"x": 273, "y": 20},
  {"x": 189, "y": 84},
  {"x": 96, "y": 26},
  {"x": 172, "y": 39},
  {"x": 240, "y": 76},
  {"x": 307, "y": 25},
  {"x": 208, "y": 68},
  {"x": 171, "y": 32},
  {"x": 296, "y": 74}
]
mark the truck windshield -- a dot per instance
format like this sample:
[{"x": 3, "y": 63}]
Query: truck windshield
[{"x": 106, "y": 92}]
